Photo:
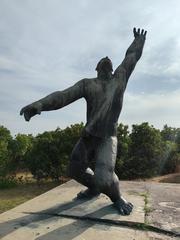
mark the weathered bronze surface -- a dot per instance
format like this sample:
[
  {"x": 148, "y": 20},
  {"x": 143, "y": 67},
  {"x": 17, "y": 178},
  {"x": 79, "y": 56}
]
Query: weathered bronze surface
[{"x": 104, "y": 97}]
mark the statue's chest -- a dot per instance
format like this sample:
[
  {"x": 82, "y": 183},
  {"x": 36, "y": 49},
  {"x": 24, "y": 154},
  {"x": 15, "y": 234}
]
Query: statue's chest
[{"x": 105, "y": 90}]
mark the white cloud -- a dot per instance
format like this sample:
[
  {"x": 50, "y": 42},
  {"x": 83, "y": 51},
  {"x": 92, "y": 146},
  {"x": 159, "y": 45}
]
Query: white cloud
[
  {"x": 49, "y": 45},
  {"x": 157, "y": 109}
]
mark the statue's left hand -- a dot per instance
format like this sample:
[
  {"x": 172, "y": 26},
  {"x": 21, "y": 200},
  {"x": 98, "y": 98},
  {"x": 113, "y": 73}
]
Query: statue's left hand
[
  {"x": 139, "y": 33},
  {"x": 30, "y": 110}
]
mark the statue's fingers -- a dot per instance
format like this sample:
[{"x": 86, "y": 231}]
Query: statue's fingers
[
  {"x": 138, "y": 31},
  {"x": 27, "y": 116},
  {"x": 142, "y": 31},
  {"x": 145, "y": 33},
  {"x": 22, "y": 111},
  {"x": 134, "y": 30}
]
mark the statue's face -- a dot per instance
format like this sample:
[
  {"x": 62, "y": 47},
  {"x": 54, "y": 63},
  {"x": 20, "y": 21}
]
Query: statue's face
[{"x": 104, "y": 65}]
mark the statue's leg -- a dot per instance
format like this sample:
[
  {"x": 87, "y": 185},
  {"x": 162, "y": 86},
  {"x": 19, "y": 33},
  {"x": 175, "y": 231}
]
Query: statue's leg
[
  {"x": 79, "y": 168},
  {"x": 105, "y": 177}
]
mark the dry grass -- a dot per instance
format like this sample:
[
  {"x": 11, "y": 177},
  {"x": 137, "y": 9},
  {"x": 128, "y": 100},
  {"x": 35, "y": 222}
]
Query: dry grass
[
  {"x": 10, "y": 198},
  {"x": 25, "y": 190}
]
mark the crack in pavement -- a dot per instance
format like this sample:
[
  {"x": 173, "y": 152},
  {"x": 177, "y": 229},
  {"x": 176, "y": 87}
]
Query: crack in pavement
[{"x": 130, "y": 224}]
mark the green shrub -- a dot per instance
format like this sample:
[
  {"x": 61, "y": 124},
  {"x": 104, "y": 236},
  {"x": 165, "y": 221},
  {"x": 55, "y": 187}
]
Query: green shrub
[{"x": 8, "y": 182}]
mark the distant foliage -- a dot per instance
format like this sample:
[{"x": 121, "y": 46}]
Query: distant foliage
[
  {"x": 19, "y": 146},
  {"x": 49, "y": 155},
  {"x": 169, "y": 133},
  {"x": 7, "y": 182},
  {"x": 122, "y": 150},
  {"x": 5, "y": 161},
  {"x": 145, "y": 151},
  {"x": 141, "y": 153}
]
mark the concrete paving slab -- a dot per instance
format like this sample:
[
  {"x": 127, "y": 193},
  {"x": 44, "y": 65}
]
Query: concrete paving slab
[
  {"x": 62, "y": 200},
  {"x": 41, "y": 218},
  {"x": 164, "y": 201},
  {"x": 68, "y": 229}
]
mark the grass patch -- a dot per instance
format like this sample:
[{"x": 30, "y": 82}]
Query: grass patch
[
  {"x": 11, "y": 197},
  {"x": 145, "y": 195},
  {"x": 147, "y": 208}
]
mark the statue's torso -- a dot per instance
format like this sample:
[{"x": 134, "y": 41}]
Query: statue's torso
[{"x": 104, "y": 104}]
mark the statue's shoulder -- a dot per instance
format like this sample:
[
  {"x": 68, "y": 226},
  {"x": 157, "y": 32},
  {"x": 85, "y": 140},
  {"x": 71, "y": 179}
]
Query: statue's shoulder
[
  {"x": 89, "y": 81},
  {"x": 119, "y": 72}
]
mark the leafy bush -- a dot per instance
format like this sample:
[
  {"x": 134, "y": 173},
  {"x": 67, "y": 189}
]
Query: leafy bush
[
  {"x": 7, "y": 182},
  {"x": 144, "y": 154},
  {"x": 49, "y": 156},
  {"x": 5, "y": 138}
]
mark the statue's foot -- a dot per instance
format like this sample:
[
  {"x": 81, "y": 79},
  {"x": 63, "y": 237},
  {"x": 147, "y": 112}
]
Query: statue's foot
[
  {"x": 124, "y": 207},
  {"x": 87, "y": 194}
]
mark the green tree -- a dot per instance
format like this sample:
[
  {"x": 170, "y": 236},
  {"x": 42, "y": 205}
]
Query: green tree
[
  {"x": 18, "y": 149},
  {"x": 171, "y": 163},
  {"x": 5, "y": 138},
  {"x": 50, "y": 153},
  {"x": 145, "y": 152},
  {"x": 122, "y": 149},
  {"x": 171, "y": 160},
  {"x": 169, "y": 133},
  {"x": 39, "y": 156}
]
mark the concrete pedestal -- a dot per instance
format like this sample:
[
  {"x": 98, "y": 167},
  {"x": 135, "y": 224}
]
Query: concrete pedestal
[{"x": 56, "y": 215}]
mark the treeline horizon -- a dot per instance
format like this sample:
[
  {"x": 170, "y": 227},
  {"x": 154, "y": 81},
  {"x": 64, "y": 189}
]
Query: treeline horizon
[
  {"x": 58, "y": 127},
  {"x": 143, "y": 152}
]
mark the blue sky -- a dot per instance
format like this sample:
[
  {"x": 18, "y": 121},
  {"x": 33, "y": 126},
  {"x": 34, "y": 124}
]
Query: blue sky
[{"x": 48, "y": 45}]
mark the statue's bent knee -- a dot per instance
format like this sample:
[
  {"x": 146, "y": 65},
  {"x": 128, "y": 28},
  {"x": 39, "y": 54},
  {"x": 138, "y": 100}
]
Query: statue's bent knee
[
  {"x": 75, "y": 170},
  {"x": 103, "y": 177}
]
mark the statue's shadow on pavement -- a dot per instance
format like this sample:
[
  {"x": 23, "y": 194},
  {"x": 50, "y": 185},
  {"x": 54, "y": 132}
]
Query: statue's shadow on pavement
[
  {"x": 35, "y": 219},
  {"x": 77, "y": 227}
]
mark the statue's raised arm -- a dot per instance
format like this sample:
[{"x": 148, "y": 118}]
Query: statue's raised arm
[
  {"x": 54, "y": 101},
  {"x": 133, "y": 53}
]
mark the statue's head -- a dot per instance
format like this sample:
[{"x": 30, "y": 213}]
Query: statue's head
[{"x": 104, "y": 67}]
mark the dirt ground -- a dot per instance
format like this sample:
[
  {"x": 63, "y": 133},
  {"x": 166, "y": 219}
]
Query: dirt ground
[{"x": 169, "y": 178}]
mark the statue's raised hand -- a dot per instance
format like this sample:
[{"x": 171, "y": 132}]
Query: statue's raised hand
[
  {"x": 30, "y": 110},
  {"x": 139, "y": 33}
]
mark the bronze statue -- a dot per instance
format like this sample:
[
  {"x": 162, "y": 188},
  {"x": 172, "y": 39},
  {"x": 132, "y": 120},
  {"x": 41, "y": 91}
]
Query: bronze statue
[{"x": 104, "y": 97}]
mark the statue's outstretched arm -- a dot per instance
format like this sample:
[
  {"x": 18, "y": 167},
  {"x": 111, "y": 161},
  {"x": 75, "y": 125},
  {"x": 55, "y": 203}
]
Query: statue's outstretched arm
[
  {"x": 54, "y": 101},
  {"x": 133, "y": 53}
]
